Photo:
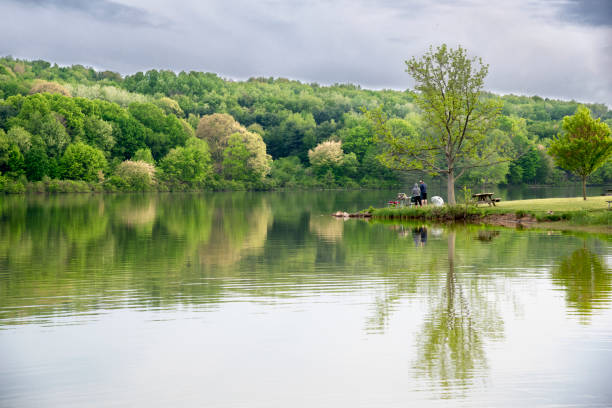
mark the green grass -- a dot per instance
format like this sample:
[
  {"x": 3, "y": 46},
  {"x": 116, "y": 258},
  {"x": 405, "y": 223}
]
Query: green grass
[
  {"x": 457, "y": 212},
  {"x": 556, "y": 204},
  {"x": 573, "y": 211}
]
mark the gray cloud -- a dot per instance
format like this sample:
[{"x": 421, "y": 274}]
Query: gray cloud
[
  {"x": 588, "y": 12},
  {"x": 100, "y": 10},
  {"x": 533, "y": 47}
]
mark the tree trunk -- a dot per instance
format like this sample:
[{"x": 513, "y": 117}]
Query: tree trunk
[
  {"x": 450, "y": 188},
  {"x": 584, "y": 188}
]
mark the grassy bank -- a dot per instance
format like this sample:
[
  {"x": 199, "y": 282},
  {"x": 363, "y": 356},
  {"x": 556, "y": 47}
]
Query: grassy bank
[{"x": 570, "y": 212}]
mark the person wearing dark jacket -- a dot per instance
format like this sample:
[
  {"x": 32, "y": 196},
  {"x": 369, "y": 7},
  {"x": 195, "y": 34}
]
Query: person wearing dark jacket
[{"x": 423, "y": 188}]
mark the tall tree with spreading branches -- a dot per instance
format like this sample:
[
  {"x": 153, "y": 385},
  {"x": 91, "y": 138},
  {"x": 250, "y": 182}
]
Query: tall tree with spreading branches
[
  {"x": 584, "y": 147},
  {"x": 456, "y": 118}
]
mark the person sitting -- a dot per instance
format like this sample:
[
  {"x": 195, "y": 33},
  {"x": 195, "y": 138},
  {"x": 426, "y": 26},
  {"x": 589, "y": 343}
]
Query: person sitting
[{"x": 416, "y": 195}]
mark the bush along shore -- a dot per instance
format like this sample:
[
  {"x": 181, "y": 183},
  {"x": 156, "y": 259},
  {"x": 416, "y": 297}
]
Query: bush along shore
[{"x": 565, "y": 212}]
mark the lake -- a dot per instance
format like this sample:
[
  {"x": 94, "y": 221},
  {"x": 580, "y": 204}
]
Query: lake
[{"x": 264, "y": 300}]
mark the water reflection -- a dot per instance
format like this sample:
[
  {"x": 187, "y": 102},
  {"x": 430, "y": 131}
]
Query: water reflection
[
  {"x": 453, "y": 289},
  {"x": 451, "y": 341},
  {"x": 419, "y": 235},
  {"x": 585, "y": 280}
]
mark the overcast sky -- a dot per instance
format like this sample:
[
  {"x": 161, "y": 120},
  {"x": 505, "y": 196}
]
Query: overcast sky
[{"x": 556, "y": 48}]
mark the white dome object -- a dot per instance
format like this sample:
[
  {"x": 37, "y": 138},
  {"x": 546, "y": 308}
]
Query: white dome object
[{"x": 437, "y": 201}]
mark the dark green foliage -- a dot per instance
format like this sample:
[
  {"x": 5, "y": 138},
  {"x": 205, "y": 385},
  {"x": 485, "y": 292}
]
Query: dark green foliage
[
  {"x": 36, "y": 160},
  {"x": 163, "y": 131},
  {"x": 288, "y": 172}
]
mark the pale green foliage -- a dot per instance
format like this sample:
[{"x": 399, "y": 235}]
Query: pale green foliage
[
  {"x": 107, "y": 93},
  {"x": 328, "y": 158},
  {"x": 245, "y": 157},
  {"x": 83, "y": 162},
  {"x": 256, "y": 128},
  {"x": 584, "y": 147},
  {"x": 21, "y": 137},
  {"x": 193, "y": 120},
  {"x": 216, "y": 129},
  {"x": 189, "y": 130},
  {"x": 144, "y": 155},
  {"x": 326, "y": 154},
  {"x": 41, "y": 86},
  {"x": 139, "y": 175},
  {"x": 170, "y": 106}
]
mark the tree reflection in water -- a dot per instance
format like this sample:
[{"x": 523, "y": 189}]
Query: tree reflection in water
[
  {"x": 586, "y": 280},
  {"x": 450, "y": 345}
]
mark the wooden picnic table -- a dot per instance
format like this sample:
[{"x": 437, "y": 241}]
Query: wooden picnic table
[{"x": 485, "y": 198}]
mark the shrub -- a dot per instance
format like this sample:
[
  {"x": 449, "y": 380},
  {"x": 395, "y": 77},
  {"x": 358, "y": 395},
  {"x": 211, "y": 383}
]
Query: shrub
[
  {"x": 138, "y": 175},
  {"x": 68, "y": 186},
  {"x": 8, "y": 185}
]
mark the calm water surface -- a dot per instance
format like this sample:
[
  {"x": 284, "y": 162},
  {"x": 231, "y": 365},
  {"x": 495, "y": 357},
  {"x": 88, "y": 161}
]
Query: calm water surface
[{"x": 263, "y": 300}]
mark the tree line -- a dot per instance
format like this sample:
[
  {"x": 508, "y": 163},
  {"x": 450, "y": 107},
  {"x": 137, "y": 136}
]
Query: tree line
[{"x": 77, "y": 129}]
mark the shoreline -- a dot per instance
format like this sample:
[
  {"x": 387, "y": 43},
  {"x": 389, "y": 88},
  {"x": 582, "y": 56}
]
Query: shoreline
[{"x": 552, "y": 213}]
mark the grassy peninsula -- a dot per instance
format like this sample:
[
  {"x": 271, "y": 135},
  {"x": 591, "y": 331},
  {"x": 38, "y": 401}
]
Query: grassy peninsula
[{"x": 558, "y": 213}]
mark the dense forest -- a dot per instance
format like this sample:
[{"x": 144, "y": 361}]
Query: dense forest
[{"x": 78, "y": 129}]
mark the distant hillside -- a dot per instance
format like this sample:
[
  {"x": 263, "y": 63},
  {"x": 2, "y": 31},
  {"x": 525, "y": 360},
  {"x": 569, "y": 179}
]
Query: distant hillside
[{"x": 159, "y": 111}]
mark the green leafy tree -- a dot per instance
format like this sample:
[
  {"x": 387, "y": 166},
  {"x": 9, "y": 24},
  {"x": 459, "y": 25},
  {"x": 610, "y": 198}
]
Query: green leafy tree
[
  {"x": 216, "y": 130},
  {"x": 21, "y": 137},
  {"x": 36, "y": 160},
  {"x": 329, "y": 158},
  {"x": 245, "y": 157},
  {"x": 164, "y": 131},
  {"x": 456, "y": 117},
  {"x": 129, "y": 133},
  {"x": 585, "y": 145},
  {"x": 54, "y": 135},
  {"x": 293, "y": 137},
  {"x": 190, "y": 165},
  {"x": 287, "y": 171},
  {"x": 11, "y": 159},
  {"x": 144, "y": 155},
  {"x": 235, "y": 158},
  {"x": 99, "y": 133},
  {"x": 170, "y": 107},
  {"x": 82, "y": 162}
]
